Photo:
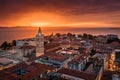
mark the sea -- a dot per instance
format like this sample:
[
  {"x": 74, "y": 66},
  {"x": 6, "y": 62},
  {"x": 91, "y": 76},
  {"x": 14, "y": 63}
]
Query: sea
[{"x": 16, "y": 33}]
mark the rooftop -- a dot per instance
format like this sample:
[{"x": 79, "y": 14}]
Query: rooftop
[
  {"x": 24, "y": 71},
  {"x": 51, "y": 45},
  {"x": 5, "y": 61},
  {"x": 80, "y": 58},
  {"x": 21, "y": 71},
  {"x": 78, "y": 74},
  {"x": 114, "y": 44},
  {"x": 27, "y": 47},
  {"x": 2, "y": 53},
  {"x": 107, "y": 75},
  {"x": 55, "y": 56}
]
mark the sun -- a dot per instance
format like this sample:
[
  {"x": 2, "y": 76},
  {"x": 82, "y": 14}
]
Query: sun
[{"x": 41, "y": 24}]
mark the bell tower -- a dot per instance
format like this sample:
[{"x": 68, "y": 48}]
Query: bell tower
[{"x": 39, "y": 43}]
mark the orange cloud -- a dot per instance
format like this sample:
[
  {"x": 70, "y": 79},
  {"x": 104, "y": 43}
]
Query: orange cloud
[{"x": 76, "y": 13}]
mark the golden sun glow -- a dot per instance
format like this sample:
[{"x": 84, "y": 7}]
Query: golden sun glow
[
  {"x": 46, "y": 19},
  {"x": 39, "y": 24}
]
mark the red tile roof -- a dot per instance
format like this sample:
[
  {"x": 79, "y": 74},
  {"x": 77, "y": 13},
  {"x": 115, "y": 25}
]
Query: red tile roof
[
  {"x": 52, "y": 55},
  {"x": 37, "y": 70},
  {"x": 55, "y": 56},
  {"x": 78, "y": 74},
  {"x": 114, "y": 44},
  {"x": 6, "y": 76},
  {"x": 65, "y": 43},
  {"x": 51, "y": 45},
  {"x": 54, "y": 50},
  {"x": 107, "y": 75},
  {"x": 33, "y": 70},
  {"x": 35, "y": 58},
  {"x": 27, "y": 47},
  {"x": 80, "y": 58}
]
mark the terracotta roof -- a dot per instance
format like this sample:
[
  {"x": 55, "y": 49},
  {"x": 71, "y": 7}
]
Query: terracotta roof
[
  {"x": 36, "y": 70},
  {"x": 80, "y": 58},
  {"x": 52, "y": 54},
  {"x": 55, "y": 56},
  {"x": 7, "y": 76},
  {"x": 31, "y": 71},
  {"x": 114, "y": 44},
  {"x": 65, "y": 43},
  {"x": 51, "y": 45},
  {"x": 27, "y": 47},
  {"x": 74, "y": 43},
  {"x": 107, "y": 75},
  {"x": 102, "y": 36},
  {"x": 53, "y": 50},
  {"x": 78, "y": 74},
  {"x": 34, "y": 58}
]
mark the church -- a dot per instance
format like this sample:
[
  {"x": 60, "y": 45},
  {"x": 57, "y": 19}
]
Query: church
[
  {"x": 31, "y": 47},
  {"x": 39, "y": 43}
]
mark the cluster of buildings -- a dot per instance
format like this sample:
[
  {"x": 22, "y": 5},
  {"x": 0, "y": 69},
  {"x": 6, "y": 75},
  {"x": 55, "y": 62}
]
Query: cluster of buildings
[{"x": 61, "y": 58}]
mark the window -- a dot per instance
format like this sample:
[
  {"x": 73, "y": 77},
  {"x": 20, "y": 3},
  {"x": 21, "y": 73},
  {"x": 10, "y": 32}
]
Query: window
[{"x": 41, "y": 75}]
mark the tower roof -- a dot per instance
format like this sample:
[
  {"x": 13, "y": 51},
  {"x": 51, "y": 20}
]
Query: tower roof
[{"x": 39, "y": 32}]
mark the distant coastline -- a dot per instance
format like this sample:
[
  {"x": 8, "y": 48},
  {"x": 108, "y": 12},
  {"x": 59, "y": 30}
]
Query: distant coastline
[{"x": 15, "y": 33}]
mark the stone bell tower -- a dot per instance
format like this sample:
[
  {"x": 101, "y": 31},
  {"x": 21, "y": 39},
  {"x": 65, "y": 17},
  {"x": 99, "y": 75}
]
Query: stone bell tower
[{"x": 39, "y": 43}]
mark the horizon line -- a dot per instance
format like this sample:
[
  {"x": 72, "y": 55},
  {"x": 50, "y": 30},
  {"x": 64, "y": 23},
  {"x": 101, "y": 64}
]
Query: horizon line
[{"x": 51, "y": 27}]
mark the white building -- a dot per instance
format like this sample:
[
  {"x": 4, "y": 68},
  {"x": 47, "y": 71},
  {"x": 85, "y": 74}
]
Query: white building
[
  {"x": 78, "y": 63},
  {"x": 8, "y": 59},
  {"x": 39, "y": 43},
  {"x": 112, "y": 36},
  {"x": 30, "y": 41}
]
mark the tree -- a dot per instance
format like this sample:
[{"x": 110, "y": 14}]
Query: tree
[
  {"x": 112, "y": 40},
  {"x": 73, "y": 35},
  {"x": 69, "y": 34},
  {"x": 4, "y": 45},
  {"x": 51, "y": 39},
  {"x": 90, "y": 37},
  {"x": 14, "y": 42},
  {"x": 58, "y": 34},
  {"x": 85, "y": 35}
]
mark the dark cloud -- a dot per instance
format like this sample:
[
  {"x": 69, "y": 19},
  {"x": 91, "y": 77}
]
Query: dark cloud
[
  {"x": 73, "y": 7},
  {"x": 12, "y": 9}
]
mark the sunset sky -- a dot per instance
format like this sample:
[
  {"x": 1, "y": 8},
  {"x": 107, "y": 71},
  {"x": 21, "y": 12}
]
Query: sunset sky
[{"x": 72, "y": 13}]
